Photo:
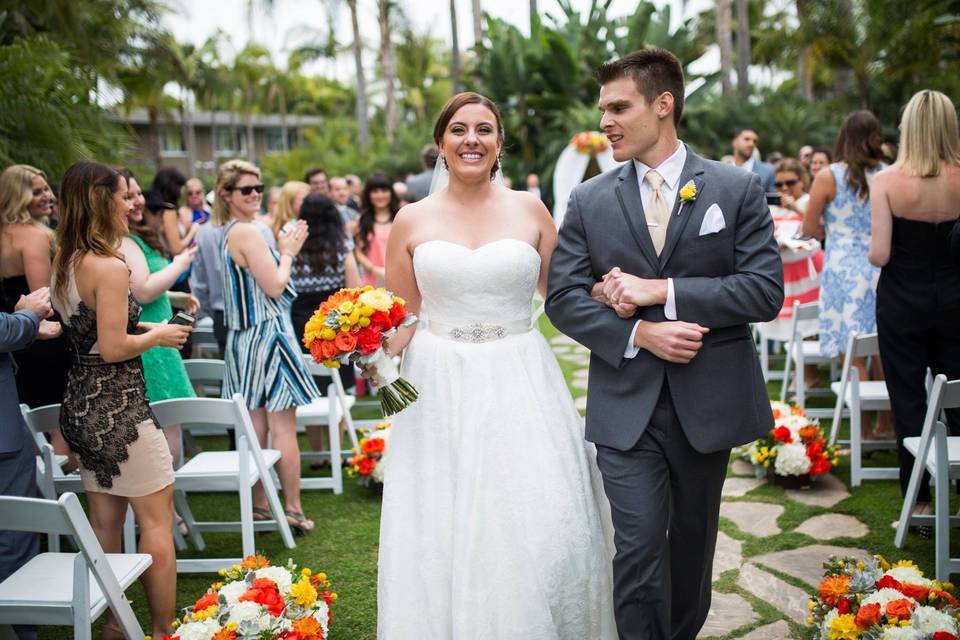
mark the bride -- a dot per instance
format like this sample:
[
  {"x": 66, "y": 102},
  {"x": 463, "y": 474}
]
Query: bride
[{"x": 494, "y": 523}]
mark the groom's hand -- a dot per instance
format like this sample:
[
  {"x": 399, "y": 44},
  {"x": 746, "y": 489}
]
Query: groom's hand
[
  {"x": 623, "y": 288},
  {"x": 624, "y": 310},
  {"x": 673, "y": 341}
]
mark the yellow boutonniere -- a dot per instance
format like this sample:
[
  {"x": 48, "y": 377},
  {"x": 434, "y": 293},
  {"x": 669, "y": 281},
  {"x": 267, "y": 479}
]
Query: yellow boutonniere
[{"x": 688, "y": 192}]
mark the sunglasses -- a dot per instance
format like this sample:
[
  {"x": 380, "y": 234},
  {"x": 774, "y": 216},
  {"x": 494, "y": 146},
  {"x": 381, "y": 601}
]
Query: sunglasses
[
  {"x": 249, "y": 189},
  {"x": 785, "y": 183}
]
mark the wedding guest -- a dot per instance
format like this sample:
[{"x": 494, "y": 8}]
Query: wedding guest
[
  {"x": 914, "y": 206},
  {"x": 272, "y": 199},
  {"x": 263, "y": 359},
  {"x": 533, "y": 185},
  {"x": 26, "y": 252},
  {"x": 288, "y": 208},
  {"x": 152, "y": 273},
  {"x": 419, "y": 185},
  {"x": 774, "y": 158},
  {"x": 792, "y": 182},
  {"x": 356, "y": 190},
  {"x": 178, "y": 233},
  {"x": 196, "y": 207},
  {"x": 124, "y": 459},
  {"x": 324, "y": 265},
  {"x": 378, "y": 208},
  {"x": 839, "y": 210},
  {"x": 819, "y": 160},
  {"x": 18, "y": 476},
  {"x": 744, "y": 147},
  {"x": 340, "y": 194},
  {"x": 804, "y": 155},
  {"x": 317, "y": 179}
]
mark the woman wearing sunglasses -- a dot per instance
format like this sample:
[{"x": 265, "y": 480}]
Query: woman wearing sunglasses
[{"x": 262, "y": 354}]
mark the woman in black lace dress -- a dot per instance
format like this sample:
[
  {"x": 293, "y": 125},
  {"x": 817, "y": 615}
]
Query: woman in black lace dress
[{"x": 105, "y": 416}]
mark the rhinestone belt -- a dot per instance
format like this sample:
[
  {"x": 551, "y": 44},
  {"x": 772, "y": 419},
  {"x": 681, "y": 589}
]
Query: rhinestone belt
[{"x": 478, "y": 333}]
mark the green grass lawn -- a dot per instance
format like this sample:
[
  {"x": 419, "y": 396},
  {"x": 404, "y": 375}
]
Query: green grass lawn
[{"x": 345, "y": 542}]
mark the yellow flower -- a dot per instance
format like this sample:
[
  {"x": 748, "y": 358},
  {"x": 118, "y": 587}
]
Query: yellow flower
[
  {"x": 366, "y": 311},
  {"x": 328, "y": 334},
  {"x": 844, "y": 628},
  {"x": 322, "y": 577},
  {"x": 378, "y": 299},
  {"x": 688, "y": 192},
  {"x": 331, "y": 364},
  {"x": 204, "y": 614},
  {"x": 306, "y": 572},
  {"x": 345, "y": 307},
  {"x": 304, "y": 593},
  {"x": 364, "y": 322}
]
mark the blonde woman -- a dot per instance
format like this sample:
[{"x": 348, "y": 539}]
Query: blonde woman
[
  {"x": 105, "y": 416},
  {"x": 262, "y": 354},
  {"x": 26, "y": 250},
  {"x": 914, "y": 206},
  {"x": 288, "y": 206},
  {"x": 196, "y": 207}
]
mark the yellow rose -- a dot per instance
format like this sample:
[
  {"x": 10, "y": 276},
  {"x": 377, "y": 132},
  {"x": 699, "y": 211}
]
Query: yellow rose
[
  {"x": 378, "y": 299},
  {"x": 345, "y": 307}
]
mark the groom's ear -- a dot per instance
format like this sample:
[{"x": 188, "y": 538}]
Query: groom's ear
[{"x": 663, "y": 105}]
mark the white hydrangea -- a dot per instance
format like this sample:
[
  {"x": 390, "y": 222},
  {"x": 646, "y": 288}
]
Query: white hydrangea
[
  {"x": 827, "y": 620},
  {"x": 782, "y": 407},
  {"x": 197, "y": 630},
  {"x": 791, "y": 460},
  {"x": 885, "y": 596},
  {"x": 321, "y": 613},
  {"x": 901, "y": 633},
  {"x": 795, "y": 423},
  {"x": 245, "y": 611},
  {"x": 928, "y": 620},
  {"x": 909, "y": 575},
  {"x": 279, "y": 575},
  {"x": 233, "y": 590}
]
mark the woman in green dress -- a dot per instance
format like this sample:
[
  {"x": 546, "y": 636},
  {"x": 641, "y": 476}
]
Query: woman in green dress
[{"x": 151, "y": 276}]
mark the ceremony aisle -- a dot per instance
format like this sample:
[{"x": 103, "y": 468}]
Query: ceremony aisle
[{"x": 771, "y": 547}]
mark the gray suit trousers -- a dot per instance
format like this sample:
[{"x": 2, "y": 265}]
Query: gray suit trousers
[{"x": 665, "y": 501}]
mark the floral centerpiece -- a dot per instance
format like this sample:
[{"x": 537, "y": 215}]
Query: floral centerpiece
[
  {"x": 592, "y": 142},
  {"x": 795, "y": 447},
  {"x": 368, "y": 462},
  {"x": 872, "y": 600},
  {"x": 256, "y": 600},
  {"x": 350, "y": 326}
]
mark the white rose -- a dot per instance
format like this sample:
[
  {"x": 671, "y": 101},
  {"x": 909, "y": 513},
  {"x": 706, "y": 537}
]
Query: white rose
[
  {"x": 908, "y": 575},
  {"x": 885, "y": 596},
  {"x": 929, "y": 621},
  {"x": 279, "y": 575},
  {"x": 795, "y": 423},
  {"x": 245, "y": 611},
  {"x": 197, "y": 630},
  {"x": 901, "y": 633},
  {"x": 791, "y": 460},
  {"x": 232, "y": 591}
]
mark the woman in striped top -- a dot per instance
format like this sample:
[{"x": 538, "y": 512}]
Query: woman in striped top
[{"x": 263, "y": 359}]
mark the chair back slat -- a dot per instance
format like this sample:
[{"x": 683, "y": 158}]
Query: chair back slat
[
  {"x": 951, "y": 395},
  {"x": 806, "y": 312},
  {"x": 34, "y": 514},
  {"x": 866, "y": 345},
  {"x": 187, "y": 411},
  {"x": 205, "y": 370},
  {"x": 318, "y": 370},
  {"x": 42, "y": 419}
]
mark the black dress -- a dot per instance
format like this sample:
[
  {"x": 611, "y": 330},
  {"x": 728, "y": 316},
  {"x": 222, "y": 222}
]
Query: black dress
[
  {"x": 918, "y": 325},
  {"x": 42, "y": 367}
]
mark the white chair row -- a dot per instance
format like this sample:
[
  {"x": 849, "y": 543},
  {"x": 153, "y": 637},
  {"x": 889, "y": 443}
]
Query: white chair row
[
  {"x": 939, "y": 454},
  {"x": 69, "y": 589}
]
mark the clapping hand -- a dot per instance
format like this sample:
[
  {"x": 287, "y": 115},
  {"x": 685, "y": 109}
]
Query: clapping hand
[{"x": 290, "y": 242}]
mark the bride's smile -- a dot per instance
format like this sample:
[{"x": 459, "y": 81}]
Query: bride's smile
[{"x": 471, "y": 141}]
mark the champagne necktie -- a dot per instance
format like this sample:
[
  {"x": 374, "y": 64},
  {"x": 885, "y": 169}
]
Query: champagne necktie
[{"x": 657, "y": 211}]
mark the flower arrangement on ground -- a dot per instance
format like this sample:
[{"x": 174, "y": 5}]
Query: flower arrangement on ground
[
  {"x": 794, "y": 447},
  {"x": 368, "y": 462},
  {"x": 591, "y": 142},
  {"x": 256, "y": 600},
  {"x": 872, "y": 600},
  {"x": 350, "y": 326}
]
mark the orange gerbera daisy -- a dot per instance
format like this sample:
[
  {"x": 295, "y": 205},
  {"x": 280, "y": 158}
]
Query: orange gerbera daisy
[
  {"x": 833, "y": 589},
  {"x": 308, "y": 628}
]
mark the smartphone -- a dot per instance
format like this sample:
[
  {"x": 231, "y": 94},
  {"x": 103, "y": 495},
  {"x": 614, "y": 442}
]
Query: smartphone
[
  {"x": 184, "y": 318},
  {"x": 773, "y": 199}
]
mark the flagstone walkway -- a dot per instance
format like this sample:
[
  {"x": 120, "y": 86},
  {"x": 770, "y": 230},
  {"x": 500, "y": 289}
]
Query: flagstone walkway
[{"x": 763, "y": 596}]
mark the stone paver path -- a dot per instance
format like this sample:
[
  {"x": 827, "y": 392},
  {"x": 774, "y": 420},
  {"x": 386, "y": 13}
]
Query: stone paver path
[
  {"x": 805, "y": 563},
  {"x": 737, "y": 487},
  {"x": 788, "y": 599},
  {"x": 755, "y": 518},
  {"x": 728, "y": 611},
  {"x": 828, "y": 526},
  {"x": 729, "y": 555},
  {"x": 826, "y": 492},
  {"x": 778, "y": 630}
]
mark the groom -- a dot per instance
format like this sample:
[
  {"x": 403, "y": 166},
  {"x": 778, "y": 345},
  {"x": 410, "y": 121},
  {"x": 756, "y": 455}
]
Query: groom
[{"x": 659, "y": 269}]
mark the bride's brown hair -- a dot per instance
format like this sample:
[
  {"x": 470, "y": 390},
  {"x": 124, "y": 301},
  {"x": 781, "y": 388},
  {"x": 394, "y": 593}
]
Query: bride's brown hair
[{"x": 453, "y": 105}]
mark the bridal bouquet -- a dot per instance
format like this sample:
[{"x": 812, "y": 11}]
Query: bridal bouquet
[
  {"x": 794, "y": 447},
  {"x": 872, "y": 600},
  {"x": 368, "y": 463},
  {"x": 256, "y": 600},
  {"x": 591, "y": 142},
  {"x": 350, "y": 326}
]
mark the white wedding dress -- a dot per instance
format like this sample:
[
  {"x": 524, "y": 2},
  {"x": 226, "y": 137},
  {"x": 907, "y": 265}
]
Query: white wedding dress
[{"x": 494, "y": 522}]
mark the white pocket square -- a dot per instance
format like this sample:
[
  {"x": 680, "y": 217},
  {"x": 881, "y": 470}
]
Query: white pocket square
[{"x": 713, "y": 221}]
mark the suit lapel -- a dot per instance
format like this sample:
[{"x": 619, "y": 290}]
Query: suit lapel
[
  {"x": 628, "y": 194},
  {"x": 692, "y": 170}
]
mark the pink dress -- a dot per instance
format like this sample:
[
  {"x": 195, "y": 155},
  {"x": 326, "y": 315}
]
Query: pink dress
[{"x": 376, "y": 252}]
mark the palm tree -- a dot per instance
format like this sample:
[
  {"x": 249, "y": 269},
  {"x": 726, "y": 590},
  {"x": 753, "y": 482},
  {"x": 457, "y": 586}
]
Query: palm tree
[
  {"x": 477, "y": 22},
  {"x": 725, "y": 42},
  {"x": 363, "y": 127},
  {"x": 388, "y": 68},
  {"x": 455, "y": 54},
  {"x": 743, "y": 49}
]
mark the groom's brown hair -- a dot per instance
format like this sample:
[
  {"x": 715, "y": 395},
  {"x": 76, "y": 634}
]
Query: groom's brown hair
[{"x": 654, "y": 71}]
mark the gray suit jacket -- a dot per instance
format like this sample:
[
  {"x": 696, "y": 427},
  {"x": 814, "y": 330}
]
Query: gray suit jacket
[
  {"x": 419, "y": 185},
  {"x": 765, "y": 171},
  {"x": 723, "y": 281},
  {"x": 17, "y": 331}
]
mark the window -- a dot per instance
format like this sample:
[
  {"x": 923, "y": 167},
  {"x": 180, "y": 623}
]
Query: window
[
  {"x": 171, "y": 142},
  {"x": 274, "y": 139},
  {"x": 231, "y": 140}
]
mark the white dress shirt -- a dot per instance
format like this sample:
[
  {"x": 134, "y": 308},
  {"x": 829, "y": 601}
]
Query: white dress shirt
[{"x": 670, "y": 170}]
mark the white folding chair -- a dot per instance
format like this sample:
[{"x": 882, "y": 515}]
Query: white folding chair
[
  {"x": 853, "y": 396},
  {"x": 224, "y": 471},
  {"x": 204, "y": 342},
  {"x": 328, "y": 411},
  {"x": 939, "y": 454},
  {"x": 55, "y": 482},
  {"x": 763, "y": 342},
  {"x": 70, "y": 589},
  {"x": 801, "y": 352}
]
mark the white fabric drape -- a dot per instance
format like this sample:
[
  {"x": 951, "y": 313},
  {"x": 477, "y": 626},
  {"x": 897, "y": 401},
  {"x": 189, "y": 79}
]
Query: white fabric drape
[{"x": 571, "y": 165}]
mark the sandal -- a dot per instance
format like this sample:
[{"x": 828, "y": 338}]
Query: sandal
[
  {"x": 299, "y": 522},
  {"x": 260, "y": 514}
]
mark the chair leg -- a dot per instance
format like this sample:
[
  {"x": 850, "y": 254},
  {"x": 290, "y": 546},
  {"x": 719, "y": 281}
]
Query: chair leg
[
  {"x": 764, "y": 356},
  {"x": 183, "y": 508},
  {"x": 336, "y": 462},
  {"x": 81, "y": 599},
  {"x": 246, "y": 518},
  {"x": 130, "y": 532},
  {"x": 786, "y": 372},
  {"x": 942, "y": 503},
  {"x": 910, "y": 499},
  {"x": 855, "y": 446},
  {"x": 273, "y": 499},
  {"x": 800, "y": 393}
]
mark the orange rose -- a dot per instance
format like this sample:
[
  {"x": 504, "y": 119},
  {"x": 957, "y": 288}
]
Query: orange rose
[
  {"x": 328, "y": 350},
  {"x": 868, "y": 615},
  {"x": 373, "y": 445},
  {"x": 915, "y": 591},
  {"x": 208, "y": 600},
  {"x": 833, "y": 589},
  {"x": 345, "y": 342},
  {"x": 900, "y": 609}
]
